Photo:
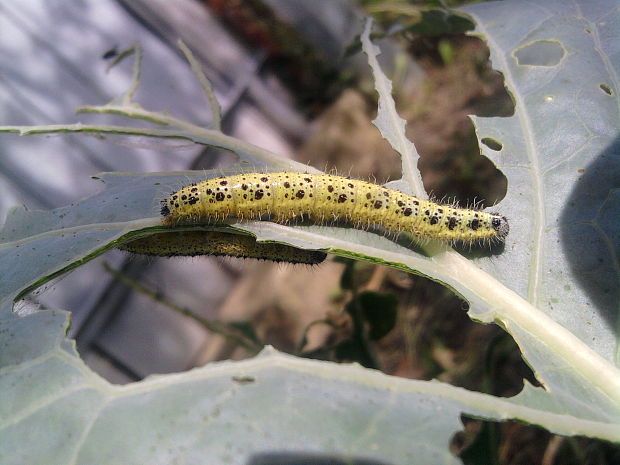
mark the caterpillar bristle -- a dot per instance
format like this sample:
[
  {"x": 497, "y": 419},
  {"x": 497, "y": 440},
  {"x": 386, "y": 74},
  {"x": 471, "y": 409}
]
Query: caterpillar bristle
[{"x": 328, "y": 198}]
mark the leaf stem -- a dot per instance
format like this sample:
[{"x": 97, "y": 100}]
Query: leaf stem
[
  {"x": 261, "y": 157},
  {"x": 508, "y": 308},
  {"x": 514, "y": 311},
  {"x": 216, "y": 111}
]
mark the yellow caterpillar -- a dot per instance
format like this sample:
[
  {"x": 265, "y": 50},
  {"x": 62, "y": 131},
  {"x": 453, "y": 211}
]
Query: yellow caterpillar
[
  {"x": 326, "y": 197},
  {"x": 193, "y": 243}
]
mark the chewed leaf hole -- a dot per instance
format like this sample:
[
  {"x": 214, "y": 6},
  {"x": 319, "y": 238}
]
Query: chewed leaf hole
[
  {"x": 606, "y": 88},
  {"x": 493, "y": 144},
  {"x": 540, "y": 53}
]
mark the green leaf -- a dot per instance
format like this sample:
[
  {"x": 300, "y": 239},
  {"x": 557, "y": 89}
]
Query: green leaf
[
  {"x": 561, "y": 154},
  {"x": 553, "y": 288},
  {"x": 390, "y": 124}
]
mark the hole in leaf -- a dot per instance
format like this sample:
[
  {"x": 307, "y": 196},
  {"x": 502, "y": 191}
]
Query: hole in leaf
[
  {"x": 540, "y": 53},
  {"x": 485, "y": 441},
  {"x": 606, "y": 88},
  {"x": 451, "y": 164},
  {"x": 493, "y": 144}
]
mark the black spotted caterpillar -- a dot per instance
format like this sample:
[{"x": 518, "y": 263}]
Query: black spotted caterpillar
[{"x": 326, "y": 197}]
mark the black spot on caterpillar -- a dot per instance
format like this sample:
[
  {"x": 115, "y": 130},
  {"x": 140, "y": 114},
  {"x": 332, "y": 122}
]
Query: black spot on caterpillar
[
  {"x": 322, "y": 197},
  {"x": 194, "y": 243}
]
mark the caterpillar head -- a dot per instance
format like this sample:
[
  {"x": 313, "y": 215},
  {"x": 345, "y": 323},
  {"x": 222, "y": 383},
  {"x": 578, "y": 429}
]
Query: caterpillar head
[
  {"x": 500, "y": 224},
  {"x": 165, "y": 210},
  {"x": 166, "y": 213}
]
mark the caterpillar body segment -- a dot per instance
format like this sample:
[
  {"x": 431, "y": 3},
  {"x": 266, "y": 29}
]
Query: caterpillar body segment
[{"x": 326, "y": 197}]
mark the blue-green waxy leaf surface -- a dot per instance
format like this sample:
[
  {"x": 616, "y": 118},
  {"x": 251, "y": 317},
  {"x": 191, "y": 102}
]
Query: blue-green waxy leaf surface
[
  {"x": 561, "y": 154},
  {"x": 554, "y": 288}
]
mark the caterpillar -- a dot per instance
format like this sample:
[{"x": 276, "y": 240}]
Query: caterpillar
[
  {"x": 322, "y": 197},
  {"x": 193, "y": 243}
]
